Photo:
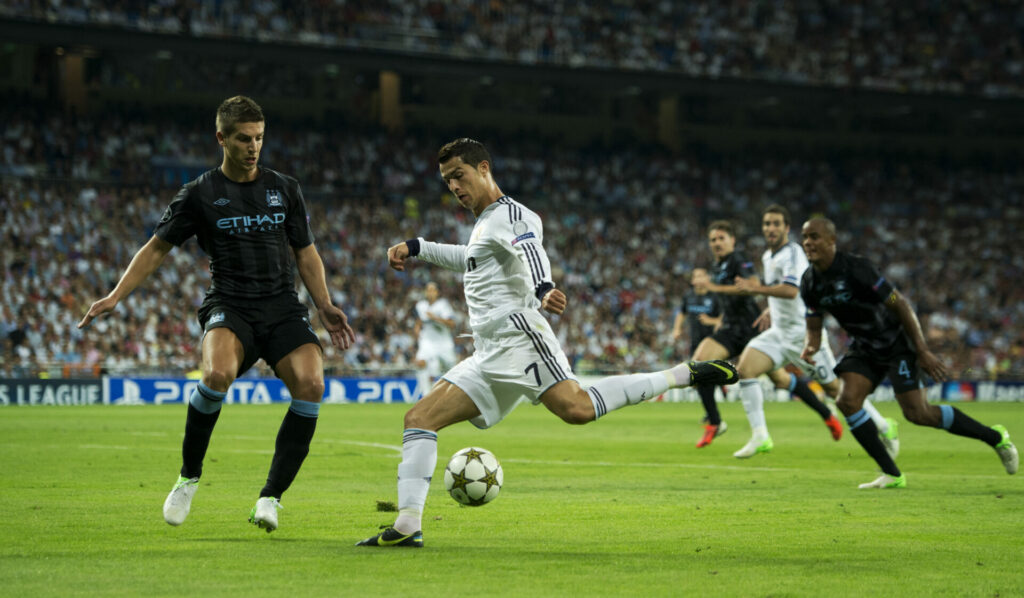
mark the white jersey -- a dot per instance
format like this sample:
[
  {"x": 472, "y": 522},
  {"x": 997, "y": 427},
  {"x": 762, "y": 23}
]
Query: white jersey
[
  {"x": 504, "y": 265},
  {"x": 786, "y": 266},
  {"x": 432, "y": 332}
]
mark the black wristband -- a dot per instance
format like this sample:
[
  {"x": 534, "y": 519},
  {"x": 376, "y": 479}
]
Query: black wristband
[
  {"x": 542, "y": 289},
  {"x": 414, "y": 247}
]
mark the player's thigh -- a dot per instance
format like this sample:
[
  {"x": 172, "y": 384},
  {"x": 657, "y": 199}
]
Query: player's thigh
[
  {"x": 445, "y": 404},
  {"x": 302, "y": 371},
  {"x": 569, "y": 401},
  {"x": 223, "y": 354},
  {"x": 709, "y": 348},
  {"x": 754, "y": 361}
]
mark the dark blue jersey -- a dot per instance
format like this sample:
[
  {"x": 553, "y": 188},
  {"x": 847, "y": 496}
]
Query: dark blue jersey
[
  {"x": 854, "y": 292},
  {"x": 737, "y": 310},
  {"x": 693, "y": 306},
  {"x": 247, "y": 229}
]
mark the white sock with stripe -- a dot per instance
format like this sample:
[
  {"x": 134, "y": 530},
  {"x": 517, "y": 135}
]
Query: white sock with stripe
[
  {"x": 419, "y": 458},
  {"x": 609, "y": 394},
  {"x": 752, "y": 396}
]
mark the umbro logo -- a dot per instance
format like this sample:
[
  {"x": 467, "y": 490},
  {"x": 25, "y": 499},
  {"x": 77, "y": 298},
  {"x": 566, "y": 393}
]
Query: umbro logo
[{"x": 222, "y": 202}]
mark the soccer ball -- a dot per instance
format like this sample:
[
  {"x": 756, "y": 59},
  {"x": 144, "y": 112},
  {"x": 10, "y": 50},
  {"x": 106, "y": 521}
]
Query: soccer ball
[{"x": 473, "y": 476}]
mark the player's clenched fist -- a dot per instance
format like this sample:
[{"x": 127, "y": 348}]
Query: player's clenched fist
[
  {"x": 397, "y": 255},
  {"x": 554, "y": 301}
]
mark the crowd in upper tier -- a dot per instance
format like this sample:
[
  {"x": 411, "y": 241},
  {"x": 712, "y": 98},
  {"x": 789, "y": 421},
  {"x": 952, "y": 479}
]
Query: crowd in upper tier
[{"x": 946, "y": 46}]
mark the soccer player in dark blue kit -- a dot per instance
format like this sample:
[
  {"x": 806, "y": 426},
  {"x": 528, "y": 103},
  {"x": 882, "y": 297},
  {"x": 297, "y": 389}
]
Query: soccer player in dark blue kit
[
  {"x": 252, "y": 222},
  {"x": 699, "y": 310},
  {"x": 739, "y": 311},
  {"x": 888, "y": 342}
]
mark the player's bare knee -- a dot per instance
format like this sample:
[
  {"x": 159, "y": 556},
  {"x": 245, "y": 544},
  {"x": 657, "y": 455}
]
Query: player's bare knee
[
  {"x": 849, "y": 404},
  {"x": 218, "y": 379},
  {"x": 577, "y": 414},
  {"x": 414, "y": 418},
  {"x": 576, "y": 410},
  {"x": 747, "y": 371},
  {"x": 309, "y": 389}
]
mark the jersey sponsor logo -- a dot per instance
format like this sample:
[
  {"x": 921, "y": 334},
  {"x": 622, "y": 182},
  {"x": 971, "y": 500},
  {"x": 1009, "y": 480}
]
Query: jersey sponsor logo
[
  {"x": 837, "y": 299},
  {"x": 216, "y": 318},
  {"x": 222, "y": 202},
  {"x": 523, "y": 237},
  {"x": 257, "y": 222},
  {"x": 166, "y": 215},
  {"x": 274, "y": 198}
]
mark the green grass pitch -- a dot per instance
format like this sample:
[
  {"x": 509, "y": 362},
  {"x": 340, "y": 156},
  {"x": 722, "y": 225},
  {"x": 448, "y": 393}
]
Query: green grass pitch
[{"x": 626, "y": 506}]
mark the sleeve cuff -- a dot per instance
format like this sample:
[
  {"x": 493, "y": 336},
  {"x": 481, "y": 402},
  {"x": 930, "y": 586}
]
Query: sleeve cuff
[
  {"x": 414, "y": 247},
  {"x": 543, "y": 288}
]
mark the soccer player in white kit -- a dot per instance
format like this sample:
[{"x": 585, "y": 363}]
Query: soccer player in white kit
[
  {"x": 435, "y": 351},
  {"x": 507, "y": 280},
  {"x": 784, "y": 263}
]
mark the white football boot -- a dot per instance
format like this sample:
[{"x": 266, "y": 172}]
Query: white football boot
[
  {"x": 179, "y": 501},
  {"x": 264, "y": 514}
]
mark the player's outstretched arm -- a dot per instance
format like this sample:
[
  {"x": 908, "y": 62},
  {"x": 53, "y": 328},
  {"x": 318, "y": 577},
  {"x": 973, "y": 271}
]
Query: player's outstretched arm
[
  {"x": 311, "y": 270},
  {"x": 145, "y": 262},
  {"x": 742, "y": 286},
  {"x": 812, "y": 341},
  {"x": 899, "y": 305},
  {"x": 677, "y": 327}
]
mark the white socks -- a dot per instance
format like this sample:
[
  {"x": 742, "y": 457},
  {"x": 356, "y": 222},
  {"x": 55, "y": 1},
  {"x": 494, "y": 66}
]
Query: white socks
[
  {"x": 419, "y": 457},
  {"x": 752, "y": 397},
  {"x": 609, "y": 394},
  {"x": 883, "y": 426}
]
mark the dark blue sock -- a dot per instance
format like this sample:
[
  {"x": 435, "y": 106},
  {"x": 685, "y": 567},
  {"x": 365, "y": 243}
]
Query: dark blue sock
[
  {"x": 866, "y": 433},
  {"x": 291, "y": 447},
  {"x": 707, "y": 397},
  {"x": 959, "y": 423}
]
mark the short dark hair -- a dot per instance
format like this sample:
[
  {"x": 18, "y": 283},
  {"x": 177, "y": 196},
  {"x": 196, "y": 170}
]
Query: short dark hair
[
  {"x": 239, "y": 109},
  {"x": 722, "y": 225},
  {"x": 471, "y": 151},
  {"x": 778, "y": 209}
]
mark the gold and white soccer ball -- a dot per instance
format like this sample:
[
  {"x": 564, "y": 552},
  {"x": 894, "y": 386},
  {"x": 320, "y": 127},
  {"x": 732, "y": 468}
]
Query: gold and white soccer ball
[{"x": 473, "y": 476}]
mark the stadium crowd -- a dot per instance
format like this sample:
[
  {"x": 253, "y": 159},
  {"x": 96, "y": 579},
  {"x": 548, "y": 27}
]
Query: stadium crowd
[
  {"x": 958, "y": 46},
  {"x": 623, "y": 230}
]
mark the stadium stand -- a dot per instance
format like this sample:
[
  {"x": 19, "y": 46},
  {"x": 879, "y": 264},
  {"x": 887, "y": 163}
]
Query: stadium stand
[
  {"x": 624, "y": 228},
  {"x": 959, "y": 47}
]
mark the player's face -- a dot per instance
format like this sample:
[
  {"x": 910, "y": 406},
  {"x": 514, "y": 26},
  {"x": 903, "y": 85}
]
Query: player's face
[
  {"x": 775, "y": 230},
  {"x": 721, "y": 242},
  {"x": 468, "y": 183},
  {"x": 819, "y": 244},
  {"x": 242, "y": 146},
  {"x": 699, "y": 277}
]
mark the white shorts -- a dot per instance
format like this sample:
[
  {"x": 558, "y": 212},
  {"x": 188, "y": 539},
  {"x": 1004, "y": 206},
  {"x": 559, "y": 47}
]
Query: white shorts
[
  {"x": 517, "y": 362},
  {"x": 438, "y": 357},
  {"x": 786, "y": 349}
]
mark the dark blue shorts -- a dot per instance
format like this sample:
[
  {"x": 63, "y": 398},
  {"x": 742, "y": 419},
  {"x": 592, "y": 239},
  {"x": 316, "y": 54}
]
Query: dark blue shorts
[{"x": 269, "y": 328}]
